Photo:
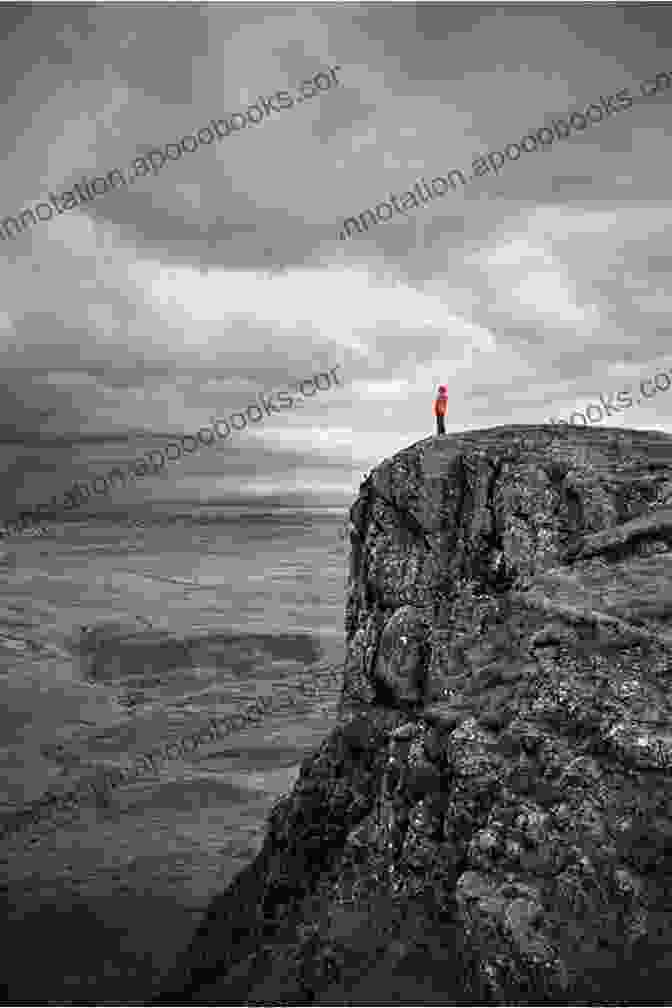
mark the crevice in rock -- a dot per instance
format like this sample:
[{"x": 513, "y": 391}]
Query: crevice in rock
[
  {"x": 534, "y": 599},
  {"x": 486, "y": 563},
  {"x": 406, "y": 519},
  {"x": 621, "y": 541},
  {"x": 575, "y": 517},
  {"x": 462, "y": 495}
]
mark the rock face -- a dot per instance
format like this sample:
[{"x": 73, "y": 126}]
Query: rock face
[{"x": 491, "y": 821}]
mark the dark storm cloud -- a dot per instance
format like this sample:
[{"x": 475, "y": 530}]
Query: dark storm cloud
[
  {"x": 562, "y": 183},
  {"x": 660, "y": 264},
  {"x": 110, "y": 376}
]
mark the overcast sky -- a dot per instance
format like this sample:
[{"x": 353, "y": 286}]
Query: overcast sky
[{"x": 153, "y": 308}]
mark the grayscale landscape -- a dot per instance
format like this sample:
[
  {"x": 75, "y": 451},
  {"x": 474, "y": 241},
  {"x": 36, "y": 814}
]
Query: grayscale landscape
[{"x": 336, "y": 504}]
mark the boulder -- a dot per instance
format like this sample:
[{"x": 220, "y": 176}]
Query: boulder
[{"x": 401, "y": 665}]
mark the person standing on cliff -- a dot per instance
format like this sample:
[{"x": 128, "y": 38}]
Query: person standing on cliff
[{"x": 440, "y": 407}]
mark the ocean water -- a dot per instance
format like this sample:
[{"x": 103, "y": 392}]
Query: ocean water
[{"x": 117, "y": 638}]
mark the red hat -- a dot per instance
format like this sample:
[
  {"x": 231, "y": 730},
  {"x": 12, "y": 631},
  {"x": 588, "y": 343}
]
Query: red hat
[{"x": 443, "y": 389}]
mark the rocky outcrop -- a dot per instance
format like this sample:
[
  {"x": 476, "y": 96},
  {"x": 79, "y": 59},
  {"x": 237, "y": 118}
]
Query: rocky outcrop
[{"x": 491, "y": 821}]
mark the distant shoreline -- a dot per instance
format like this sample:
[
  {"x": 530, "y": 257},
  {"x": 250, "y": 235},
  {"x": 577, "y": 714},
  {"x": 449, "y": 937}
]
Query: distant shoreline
[{"x": 207, "y": 514}]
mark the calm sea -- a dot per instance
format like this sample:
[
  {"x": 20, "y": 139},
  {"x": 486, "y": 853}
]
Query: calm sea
[{"x": 116, "y": 638}]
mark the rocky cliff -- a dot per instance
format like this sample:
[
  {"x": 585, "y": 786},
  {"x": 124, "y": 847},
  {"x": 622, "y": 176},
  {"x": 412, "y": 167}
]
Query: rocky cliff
[{"x": 491, "y": 821}]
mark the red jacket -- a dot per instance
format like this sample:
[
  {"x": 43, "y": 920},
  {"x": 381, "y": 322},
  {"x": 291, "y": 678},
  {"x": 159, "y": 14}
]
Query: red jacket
[{"x": 440, "y": 406}]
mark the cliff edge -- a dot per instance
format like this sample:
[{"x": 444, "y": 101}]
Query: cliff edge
[{"x": 491, "y": 820}]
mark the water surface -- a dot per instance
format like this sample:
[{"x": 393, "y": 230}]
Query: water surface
[{"x": 116, "y": 638}]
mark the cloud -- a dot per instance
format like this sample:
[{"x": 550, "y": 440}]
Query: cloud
[{"x": 158, "y": 306}]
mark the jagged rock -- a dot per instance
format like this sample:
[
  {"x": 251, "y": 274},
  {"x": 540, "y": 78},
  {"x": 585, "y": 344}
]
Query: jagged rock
[
  {"x": 509, "y": 841},
  {"x": 359, "y": 659}
]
